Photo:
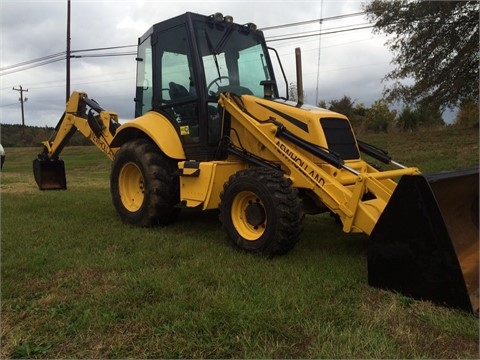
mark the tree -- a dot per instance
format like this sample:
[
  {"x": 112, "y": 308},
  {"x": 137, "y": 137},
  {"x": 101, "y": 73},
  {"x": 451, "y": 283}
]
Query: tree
[
  {"x": 292, "y": 91},
  {"x": 358, "y": 116},
  {"x": 322, "y": 104},
  {"x": 430, "y": 114},
  {"x": 435, "y": 43},
  {"x": 408, "y": 119},
  {"x": 424, "y": 115},
  {"x": 468, "y": 114},
  {"x": 379, "y": 117},
  {"x": 343, "y": 106}
]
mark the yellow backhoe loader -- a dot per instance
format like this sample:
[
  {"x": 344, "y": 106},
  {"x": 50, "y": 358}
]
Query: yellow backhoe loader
[{"x": 211, "y": 131}]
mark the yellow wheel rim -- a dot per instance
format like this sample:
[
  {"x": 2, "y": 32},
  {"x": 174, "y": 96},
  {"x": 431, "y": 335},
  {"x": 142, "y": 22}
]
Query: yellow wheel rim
[
  {"x": 248, "y": 216},
  {"x": 131, "y": 187}
]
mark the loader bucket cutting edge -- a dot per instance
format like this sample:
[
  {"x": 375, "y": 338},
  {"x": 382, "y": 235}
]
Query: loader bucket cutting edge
[
  {"x": 425, "y": 244},
  {"x": 50, "y": 174}
]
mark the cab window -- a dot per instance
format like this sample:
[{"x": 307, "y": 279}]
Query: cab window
[
  {"x": 177, "y": 96},
  {"x": 144, "y": 92}
]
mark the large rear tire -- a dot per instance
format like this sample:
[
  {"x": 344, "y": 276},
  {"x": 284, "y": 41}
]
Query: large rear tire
[
  {"x": 143, "y": 186},
  {"x": 261, "y": 212}
]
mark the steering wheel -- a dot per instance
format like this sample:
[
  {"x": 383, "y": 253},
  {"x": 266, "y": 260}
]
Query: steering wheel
[{"x": 215, "y": 81}]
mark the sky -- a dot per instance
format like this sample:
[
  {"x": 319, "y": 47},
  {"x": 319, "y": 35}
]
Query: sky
[{"x": 340, "y": 62}]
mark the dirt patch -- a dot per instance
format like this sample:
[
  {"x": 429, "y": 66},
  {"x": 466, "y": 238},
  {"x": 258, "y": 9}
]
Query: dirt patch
[{"x": 17, "y": 183}]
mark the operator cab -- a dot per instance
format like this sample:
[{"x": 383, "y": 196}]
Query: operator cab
[{"x": 184, "y": 63}]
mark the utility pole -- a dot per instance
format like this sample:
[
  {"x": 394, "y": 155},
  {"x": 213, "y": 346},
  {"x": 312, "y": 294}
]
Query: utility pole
[
  {"x": 22, "y": 90},
  {"x": 319, "y": 52},
  {"x": 68, "y": 51}
]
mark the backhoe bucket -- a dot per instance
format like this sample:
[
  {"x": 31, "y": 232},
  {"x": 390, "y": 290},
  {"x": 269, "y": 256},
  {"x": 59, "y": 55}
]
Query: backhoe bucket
[
  {"x": 425, "y": 243},
  {"x": 49, "y": 174}
]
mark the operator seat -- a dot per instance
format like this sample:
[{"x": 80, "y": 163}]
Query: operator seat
[
  {"x": 178, "y": 92},
  {"x": 185, "y": 110}
]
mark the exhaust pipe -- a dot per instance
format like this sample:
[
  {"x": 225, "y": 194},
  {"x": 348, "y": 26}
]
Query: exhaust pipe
[
  {"x": 425, "y": 244},
  {"x": 298, "y": 61}
]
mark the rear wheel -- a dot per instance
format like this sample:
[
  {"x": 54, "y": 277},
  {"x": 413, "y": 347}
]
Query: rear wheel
[
  {"x": 143, "y": 187},
  {"x": 261, "y": 212}
]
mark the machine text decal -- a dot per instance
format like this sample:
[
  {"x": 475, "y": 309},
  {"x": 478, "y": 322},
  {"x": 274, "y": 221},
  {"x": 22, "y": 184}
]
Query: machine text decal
[{"x": 299, "y": 163}]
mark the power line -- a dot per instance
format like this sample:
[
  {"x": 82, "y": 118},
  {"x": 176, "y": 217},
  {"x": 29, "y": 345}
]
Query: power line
[
  {"x": 304, "y": 35},
  {"x": 104, "y": 48},
  {"x": 44, "y": 58},
  {"x": 49, "y": 59},
  {"x": 337, "y": 17},
  {"x": 11, "y": 104},
  {"x": 129, "y": 53},
  {"x": 104, "y": 77},
  {"x": 319, "y": 31},
  {"x": 20, "y": 68}
]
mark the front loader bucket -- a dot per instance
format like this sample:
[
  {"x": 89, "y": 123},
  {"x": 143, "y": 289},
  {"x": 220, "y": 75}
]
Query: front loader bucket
[
  {"x": 49, "y": 174},
  {"x": 425, "y": 243}
]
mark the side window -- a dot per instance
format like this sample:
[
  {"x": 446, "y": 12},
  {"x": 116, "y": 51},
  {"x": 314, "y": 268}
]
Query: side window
[
  {"x": 177, "y": 85},
  {"x": 144, "y": 94},
  {"x": 176, "y": 93}
]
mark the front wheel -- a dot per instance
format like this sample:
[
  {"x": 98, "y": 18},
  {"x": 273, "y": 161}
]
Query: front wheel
[
  {"x": 261, "y": 212},
  {"x": 143, "y": 186}
]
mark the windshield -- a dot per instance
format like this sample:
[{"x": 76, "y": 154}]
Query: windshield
[{"x": 233, "y": 59}]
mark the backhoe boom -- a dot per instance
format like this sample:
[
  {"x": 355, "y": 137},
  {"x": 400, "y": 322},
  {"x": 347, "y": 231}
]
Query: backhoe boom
[{"x": 82, "y": 114}]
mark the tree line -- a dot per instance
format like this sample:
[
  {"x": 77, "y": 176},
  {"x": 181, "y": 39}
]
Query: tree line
[
  {"x": 18, "y": 135},
  {"x": 379, "y": 117}
]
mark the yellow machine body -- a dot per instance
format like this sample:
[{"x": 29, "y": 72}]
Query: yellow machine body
[
  {"x": 264, "y": 162},
  {"x": 148, "y": 124},
  {"x": 202, "y": 182}
]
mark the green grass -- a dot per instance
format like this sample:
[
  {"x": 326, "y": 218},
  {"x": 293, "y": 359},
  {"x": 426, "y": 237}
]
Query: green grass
[
  {"x": 431, "y": 150},
  {"x": 78, "y": 283}
]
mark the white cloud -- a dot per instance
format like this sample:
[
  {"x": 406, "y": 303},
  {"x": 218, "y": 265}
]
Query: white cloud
[{"x": 351, "y": 63}]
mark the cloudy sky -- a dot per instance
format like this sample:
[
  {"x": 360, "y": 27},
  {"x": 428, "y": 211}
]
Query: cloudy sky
[{"x": 346, "y": 60}]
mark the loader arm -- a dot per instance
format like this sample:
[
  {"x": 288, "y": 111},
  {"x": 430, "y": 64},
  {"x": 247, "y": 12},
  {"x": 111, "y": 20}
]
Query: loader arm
[
  {"x": 356, "y": 214},
  {"x": 423, "y": 231},
  {"x": 82, "y": 114}
]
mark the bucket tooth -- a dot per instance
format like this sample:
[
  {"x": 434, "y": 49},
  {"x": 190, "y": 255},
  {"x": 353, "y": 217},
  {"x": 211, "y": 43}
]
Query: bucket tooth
[
  {"x": 49, "y": 174},
  {"x": 425, "y": 243}
]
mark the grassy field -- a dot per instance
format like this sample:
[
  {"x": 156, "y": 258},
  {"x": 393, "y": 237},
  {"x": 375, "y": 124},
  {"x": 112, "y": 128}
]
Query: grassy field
[{"x": 77, "y": 283}]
